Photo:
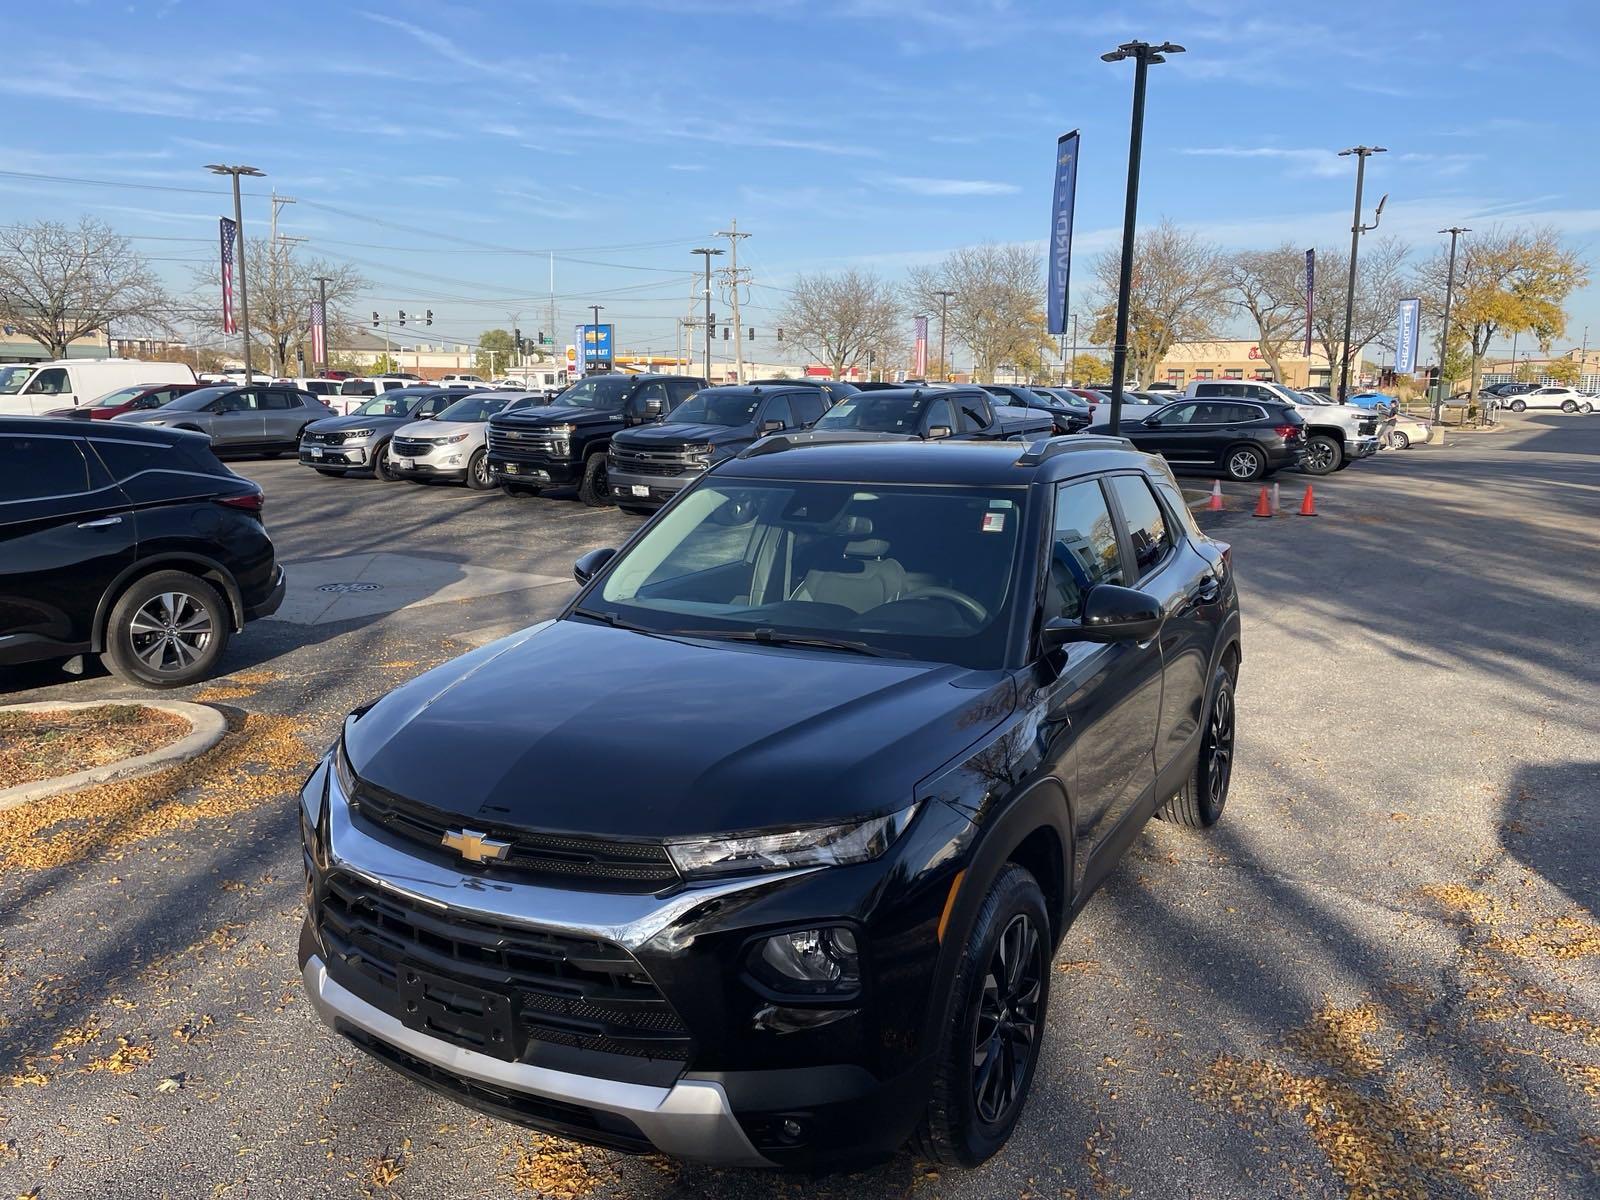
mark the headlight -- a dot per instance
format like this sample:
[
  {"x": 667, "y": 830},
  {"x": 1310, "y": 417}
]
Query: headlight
[
  {"x": 560, "y": 430},
  {"x": 355, "y": 435},
  {"x": 344, "y": 774},
  {"x": 451, "y": 440},
  {"x": 817, "y": 846}
]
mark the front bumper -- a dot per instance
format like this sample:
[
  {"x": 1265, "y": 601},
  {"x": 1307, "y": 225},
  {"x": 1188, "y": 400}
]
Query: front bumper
[
  {"x": 428, "y": 468},
  {"x": 348, "y": 456},
  {"x": 540, "y": 472},
  {"x": 657, "y": 489},
  {"x": 1361, "y": 447}
]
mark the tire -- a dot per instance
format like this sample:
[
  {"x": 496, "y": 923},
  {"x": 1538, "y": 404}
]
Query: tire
[
  {"x": 519, "y": 491},
  {"x": 1569, "y": 406},
  {"x": 594, "y": 490},
  {"x": 1398, "y": 440},
  {"x": 1586, "y": 408},
  {"x": 380, "y": 464},
  {"x": 957, "y": 1129},
  {"x": 1324, "y": 455},
  {"x": 1518, "y": 406},
  {"x": 1244, "y": 463},
  {"x": 478, "y": 477},
  {"x": 1199, "y": 805},
  {"x": 146, "y": 638}
]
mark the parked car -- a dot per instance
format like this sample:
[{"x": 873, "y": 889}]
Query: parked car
[
  {"x": 452, "y": 445},
  {"x": 1065, "y": 418},
  {"x": 357, "y": 441},
  {"x": 353, "y": 393},
  {"x": 263, "y": 419},
  {"x": 1380, "y": 403},
  {"x": 315, "y": 385},
  {"x": 1504, "y": 391},
  {"x": 70, "y": 382},
  {"x": 933, "y": 414},
  {"x": 1550, "y": 396},
  {"x": 922, "y": 700},
  {"x": 131, "y": 543},
  {"x": 141, "y": 397},
  {"x": 473, "y": 381},
  {"x": 1243, "y": 440},
  {"x": 565, "y": 443},
  {"x": 1402, "y": 431},
  {"x": 834, "y": 389},
  {"x": 650, "y": 464},
  {"x": 1336, "y": 435}
]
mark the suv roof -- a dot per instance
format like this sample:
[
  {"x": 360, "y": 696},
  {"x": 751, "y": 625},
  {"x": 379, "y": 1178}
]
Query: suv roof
[
  {"x": 895, "y": 459},
  {"x": 120, "y": 431}
]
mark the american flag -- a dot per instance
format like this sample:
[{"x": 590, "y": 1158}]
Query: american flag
[
  {"x": 919, "y": 364},
  {"x": 319, "y": 334},
  {"x": 229, "y": 232}
]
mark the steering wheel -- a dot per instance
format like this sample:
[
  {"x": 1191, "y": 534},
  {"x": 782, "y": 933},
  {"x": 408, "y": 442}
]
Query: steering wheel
[{"x": 960, "y": 599}]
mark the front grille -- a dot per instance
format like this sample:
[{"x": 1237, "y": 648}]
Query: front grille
[
  {"x": 532, "y": 441},
  {"x": 597, "y": 863},
  {"x": 408, "y": 447},
  {"x": 585, "y": 993},
  {"x": 665, "y": 463},
  {"x": 324, "y": 439},
  {"x": 1368, "y": 427}
]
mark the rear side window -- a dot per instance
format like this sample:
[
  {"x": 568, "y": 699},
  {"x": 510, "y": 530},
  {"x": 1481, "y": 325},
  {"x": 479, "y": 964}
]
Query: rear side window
[
  {"x": 126, "y": 459},
  {"x": 1143, "y": 522},
  {"x": 976, "y": 410},
  {"x": 275, "y": 400},
  {"x": 37, "y": 468},
  {"x": 939, "y": 414},
  {"x": 808, "y": 407},
  {"x": 778, "y": 410},
  {"x": 1083, "y": 548},
  {"x": 357, "y": 387}
]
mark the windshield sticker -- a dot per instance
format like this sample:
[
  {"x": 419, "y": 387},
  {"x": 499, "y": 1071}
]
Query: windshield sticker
[{"x": 994, "y": 522}]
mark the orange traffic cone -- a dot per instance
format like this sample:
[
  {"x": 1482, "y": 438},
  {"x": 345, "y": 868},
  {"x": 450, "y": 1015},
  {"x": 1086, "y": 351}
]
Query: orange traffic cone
[
  {"x": 1215, "y": 503},
  {"x": 1263, "y": 505},
  {"x": 1308, "y": 506}
]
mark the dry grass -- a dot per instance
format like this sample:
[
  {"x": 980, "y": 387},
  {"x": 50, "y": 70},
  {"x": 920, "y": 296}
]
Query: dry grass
[
  {"x": 553, "y": 1169},
  {"x": 238, "y": 686},
  {"x": 44, "y": 745}
]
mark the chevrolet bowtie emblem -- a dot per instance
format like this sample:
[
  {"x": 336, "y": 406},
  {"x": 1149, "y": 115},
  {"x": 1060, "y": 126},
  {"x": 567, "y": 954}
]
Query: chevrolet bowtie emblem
[{"x": 474, "y": 846}]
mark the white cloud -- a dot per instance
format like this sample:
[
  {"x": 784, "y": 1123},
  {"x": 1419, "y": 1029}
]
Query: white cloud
[
  {"x": 1310, "y": 160},
  {"x": 920, "y": 185},
  {"x": 437, "y": 42}
]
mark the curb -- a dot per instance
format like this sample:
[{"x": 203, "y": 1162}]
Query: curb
[{"x": 208, "y": 727}]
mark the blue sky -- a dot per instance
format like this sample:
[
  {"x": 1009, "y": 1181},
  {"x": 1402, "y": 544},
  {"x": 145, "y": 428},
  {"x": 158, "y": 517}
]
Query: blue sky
[{"x": 427, "y": 141}]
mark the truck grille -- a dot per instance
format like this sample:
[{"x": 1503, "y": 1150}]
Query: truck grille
[
  {"x": 653, "y": 462},
  {"x": 571, "y": 991},
  {"x": 1368, "y": 427},
  {"x": 516, "y": 441},
  {"x": 596, "y": 863}
]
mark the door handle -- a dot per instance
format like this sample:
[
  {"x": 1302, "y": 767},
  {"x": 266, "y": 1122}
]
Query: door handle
[{"x": 100, "y": 523}]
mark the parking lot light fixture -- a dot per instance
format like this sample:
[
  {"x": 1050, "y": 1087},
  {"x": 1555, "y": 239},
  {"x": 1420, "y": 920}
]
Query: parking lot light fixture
[
  {"x": 1440, "y": 389},
  {"x": 239, "y": 265},
  {"x": 708, "y": 252},
  {"x": 1143, "y": 54},
  {"x": 1362, "y": 153}
]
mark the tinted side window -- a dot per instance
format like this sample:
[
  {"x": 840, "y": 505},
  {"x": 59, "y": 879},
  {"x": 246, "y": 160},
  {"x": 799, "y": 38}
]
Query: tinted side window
[
  {"x": 678, "y": 390},
  {"x": 127, "y": 459},
  {"x": 778, "y": 410},
  {"x": 939, "y": 414},
  {"x": 1083, "y": 548},
  {"x": 1182, "y": 414},
  {"x": 975, "y": 409},
  {"x": 648, "y": 391},
  {"x": 1143, "y": 522},
  {"x": 357, "y": 387},
  {"x": 33, "y": 468},
  {"x": 275, "y": 400},
  {"x": 808, "y": 407}
]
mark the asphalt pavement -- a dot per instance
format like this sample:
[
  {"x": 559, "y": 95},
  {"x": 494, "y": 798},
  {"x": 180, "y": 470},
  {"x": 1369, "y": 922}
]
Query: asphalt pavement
[{"x": 1379, "y": 976}]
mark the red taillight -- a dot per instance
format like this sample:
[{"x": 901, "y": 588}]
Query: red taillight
[
  {"x": 1287, "y": 432},
  {"x": 250, "y": 502}
]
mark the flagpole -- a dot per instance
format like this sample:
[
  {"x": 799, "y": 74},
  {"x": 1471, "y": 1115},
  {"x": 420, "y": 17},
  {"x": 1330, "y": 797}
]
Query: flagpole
[{"x": 239, "y": 265}]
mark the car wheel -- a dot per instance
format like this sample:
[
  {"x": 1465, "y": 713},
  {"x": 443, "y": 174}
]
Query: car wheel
[
  {"x": 1244, "y": 463},
  {"x": 1519, "y": 406},
  {"x": 1586, "y": 407},
  {"x": 1569, "y": 406},
  {"x": 380, "y": 464},
  {"x": 167, "y": 630},
  {"x": 519, "y": 491},
  {"x": 989, "y": 1048},
  {"x": 1398, "y": 440},
  {"x": 479, "y": 478},
  {"x": 1324, "y": 455},
  {"x": 595, "y": 490},
  {"x": 1199, "y": 804}
]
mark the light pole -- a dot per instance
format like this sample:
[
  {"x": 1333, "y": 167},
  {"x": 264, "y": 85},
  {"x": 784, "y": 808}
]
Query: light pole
[
  {"x": 1143, "y": 54},
  {"x": 708, "y": 252},
  {"x": 1454, "y": 231},
  {"x": 944, "y": 305},
  {"x": 238, "y": 233},
  {"x": 1362, "y": 153}
]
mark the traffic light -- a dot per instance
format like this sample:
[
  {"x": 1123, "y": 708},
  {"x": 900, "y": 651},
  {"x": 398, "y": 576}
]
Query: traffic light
[
  {"x": 541, "y": 337},
  {"x": 780, "y": 333},
  {"x": 374, "y": 320},
  {"x": 752, "y": 333},
  {"x": 402, "y": 316},
  {"x": 430, "y": 316},
  {"x": 516, "y": 339},
  {"x": 711, "y": 323},
  {"x": 725, "y": 332}
]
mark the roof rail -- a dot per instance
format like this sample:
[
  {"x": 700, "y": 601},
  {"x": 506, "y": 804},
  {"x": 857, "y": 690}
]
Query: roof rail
[
  {"x": 1046, "y": 448},
  {"x": 777, "y": 442}
]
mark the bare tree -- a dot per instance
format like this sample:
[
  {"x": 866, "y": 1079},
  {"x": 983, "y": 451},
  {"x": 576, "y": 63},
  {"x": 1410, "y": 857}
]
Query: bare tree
[
  {"x": 1381, "y": 281},
  {"x": 1269, "y": 287},
  {"x": 840, "y": 317},
  {"x": 1178, "y": 295},
  {"x": 58, "y": 284},
  {"x": 282, "y": 288},
  {"x": 995, "y": 310}
]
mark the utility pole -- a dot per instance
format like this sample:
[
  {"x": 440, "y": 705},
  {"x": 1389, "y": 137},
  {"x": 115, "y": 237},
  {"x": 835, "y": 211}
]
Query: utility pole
[
  {"x": 734, "y": 280},
  {"x": 944, "y": 305},
  {"x": 1362, "y": 153},
  {"x": 552, "y": 325},
  {"x": 238, "y": 229},
  {"x": 1455, "y": 231},
  {"x": 707, "y": 252},
  {"x": 1143, "y": 54},
  {"x": 595, "y": 308},
  {"x": 1074, "y": 349},
  {"x": 322, "y": 295},
  {"x": 515, "y": 357}
]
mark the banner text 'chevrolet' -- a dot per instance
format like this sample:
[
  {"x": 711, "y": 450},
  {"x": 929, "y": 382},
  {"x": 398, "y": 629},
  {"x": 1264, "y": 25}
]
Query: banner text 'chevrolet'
[{"x": 849, "y": 733}]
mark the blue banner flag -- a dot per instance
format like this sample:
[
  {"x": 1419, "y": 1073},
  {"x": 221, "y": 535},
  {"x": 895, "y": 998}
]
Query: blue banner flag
[
  {"x": 1408, "y": 320},
  {"x": 1061, "y": 229}
]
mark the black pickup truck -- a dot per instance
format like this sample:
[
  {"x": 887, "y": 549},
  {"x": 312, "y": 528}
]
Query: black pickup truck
[
  {"x": 564, "y": 443},
  {"x": 651, "y": 464},
  {"x": 968, "y": 414}
]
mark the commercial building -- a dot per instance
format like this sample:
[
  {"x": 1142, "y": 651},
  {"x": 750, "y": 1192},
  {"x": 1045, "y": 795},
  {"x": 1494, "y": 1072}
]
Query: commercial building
[{"x": 1240, "y": 358}]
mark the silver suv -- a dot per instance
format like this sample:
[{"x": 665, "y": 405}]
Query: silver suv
[{"x": 1336, "y": 434}]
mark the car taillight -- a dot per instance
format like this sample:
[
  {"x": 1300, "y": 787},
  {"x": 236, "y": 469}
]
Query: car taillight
[
  {"x": 1287, "y": 432},
  {"x": 250, "y": 502}
]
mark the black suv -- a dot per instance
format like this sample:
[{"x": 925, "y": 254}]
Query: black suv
[
  {"x": 1242, "y": 439},
  {"x": 850, "y": 732},
  {"x": 1068, "y": 417},
  {"x": 933, "y": 413},
  {"x": 565, "y": 442},
  {"x": 651, "y": 464},
  {"x": 130, "y": 542}
]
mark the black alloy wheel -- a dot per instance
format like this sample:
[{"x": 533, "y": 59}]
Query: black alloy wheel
[
  {"x": 1323, "y": 455},
  {"x": 1006, "y": 1034},
  {"x": 595, "y": 490},
  {"x": 380, "y": 464},
  {"x": 1200, "y": 802}
]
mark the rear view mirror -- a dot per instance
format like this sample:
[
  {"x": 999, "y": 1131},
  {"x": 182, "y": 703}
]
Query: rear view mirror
[
  {"x": 939, "y": 431},
  {"x": 1110, "y": 614},
  {"x": 587, "y": 565}
]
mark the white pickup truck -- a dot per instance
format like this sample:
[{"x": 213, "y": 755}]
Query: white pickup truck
[{"x": 1336, "y": 434}]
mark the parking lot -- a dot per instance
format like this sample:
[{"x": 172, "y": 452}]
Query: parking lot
[{"x": 1379, "y": 976}]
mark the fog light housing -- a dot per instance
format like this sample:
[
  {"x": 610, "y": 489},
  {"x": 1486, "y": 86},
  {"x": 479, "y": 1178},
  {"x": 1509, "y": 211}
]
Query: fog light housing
[{"x": 809, "y": 962}]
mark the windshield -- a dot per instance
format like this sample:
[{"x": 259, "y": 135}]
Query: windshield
[
  {"x": 474, "y": 408},
  {"x": 905, "y": 570},
  {"x": 604, "y": 392},
  {"x": 12, "y": 379},
  {"x": 200, "y": 397},
  {"x": 715, "y": 407},
  {"x": 391, "y": 404},
  {"x": 112, "y": 399},
  {"x": 875, "y": 412}
]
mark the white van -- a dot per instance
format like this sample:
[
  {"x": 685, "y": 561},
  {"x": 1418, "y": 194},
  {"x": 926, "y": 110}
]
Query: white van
[{"x": 75, "y": 381}]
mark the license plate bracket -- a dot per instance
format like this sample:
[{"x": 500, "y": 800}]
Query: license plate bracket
[
  {"x": 476, "y": 1018},
  {"x": 314, "y": 451}
]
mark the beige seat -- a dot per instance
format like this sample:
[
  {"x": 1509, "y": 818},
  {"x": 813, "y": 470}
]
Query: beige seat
[{"x": 868, "y": 577}]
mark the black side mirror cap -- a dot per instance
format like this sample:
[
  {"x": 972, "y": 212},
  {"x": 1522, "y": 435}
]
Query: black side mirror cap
[
  {"x": 1110, "y": 614},
  {"x": 588, "y": 565}
]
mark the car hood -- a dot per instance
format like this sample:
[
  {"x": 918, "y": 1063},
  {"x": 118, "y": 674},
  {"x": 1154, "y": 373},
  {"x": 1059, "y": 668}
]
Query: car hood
[
  {"x": 433, "y": 429},
  {"x": 683, "y": 434},
  {"x": 339, "y": 424},
  {"x": 584, "y": 729},
  {"x": 555, "y": 414}
]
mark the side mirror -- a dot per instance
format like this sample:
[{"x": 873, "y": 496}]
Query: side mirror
[
  {"x": 585, "y": 568},
  {"x": 772, "y": 426},
  {"x": 1151, "y": 423},
  {"x": 1110, "y": 614},
  {"x": 654, "y": 409},
  {"x": 936, "y": 432}
]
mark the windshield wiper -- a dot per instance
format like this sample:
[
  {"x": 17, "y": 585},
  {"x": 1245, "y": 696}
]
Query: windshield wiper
[
  {"x": 616, "y": 622},
  {"x": 771, "y": 637}
]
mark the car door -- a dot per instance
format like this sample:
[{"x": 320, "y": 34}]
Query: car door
[
  {"x": 1103, "y": 701},
  {"x": 66, "y": 533},
  {"x": 235, "y": 419},
  {"x": 1176, "y": 432},
  {"x": 281, "y": 416},
  {"x": 49, "y": 388}
]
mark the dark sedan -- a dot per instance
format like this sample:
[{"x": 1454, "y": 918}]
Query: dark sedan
[{"x": 1241, "y": 440}]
